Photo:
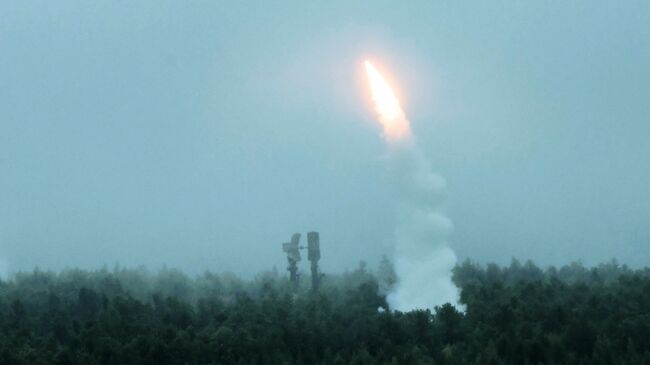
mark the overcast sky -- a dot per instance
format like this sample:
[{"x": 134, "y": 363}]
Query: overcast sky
[{"x": 202, "y": 134}]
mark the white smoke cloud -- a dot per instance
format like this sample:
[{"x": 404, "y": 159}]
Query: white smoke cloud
[{"x": 423, "y": 258}]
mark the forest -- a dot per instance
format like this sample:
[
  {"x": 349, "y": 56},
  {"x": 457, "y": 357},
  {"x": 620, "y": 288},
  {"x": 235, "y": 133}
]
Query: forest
[{"x": 516, "y": 314}]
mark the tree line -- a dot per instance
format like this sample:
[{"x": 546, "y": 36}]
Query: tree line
[{"x": 516, "y": 314}]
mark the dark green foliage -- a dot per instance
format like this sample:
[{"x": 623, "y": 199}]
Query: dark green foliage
[{"x": 513, "y": 315}]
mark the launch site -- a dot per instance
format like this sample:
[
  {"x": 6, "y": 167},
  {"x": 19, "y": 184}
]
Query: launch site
[{"x": 328, "y": 183}]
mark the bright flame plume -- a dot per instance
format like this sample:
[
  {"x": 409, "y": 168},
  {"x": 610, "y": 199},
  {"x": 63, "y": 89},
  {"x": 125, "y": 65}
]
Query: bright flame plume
[{"x": 391, "y": 115}]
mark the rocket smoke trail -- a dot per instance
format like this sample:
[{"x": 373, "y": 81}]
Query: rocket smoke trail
[{"x": 423, "y": 258}]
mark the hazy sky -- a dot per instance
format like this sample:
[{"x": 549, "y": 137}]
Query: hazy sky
[{"x": 202, "y": 134}]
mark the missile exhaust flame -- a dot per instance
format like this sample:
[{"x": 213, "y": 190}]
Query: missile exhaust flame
[{"x": 391, "y": 115}]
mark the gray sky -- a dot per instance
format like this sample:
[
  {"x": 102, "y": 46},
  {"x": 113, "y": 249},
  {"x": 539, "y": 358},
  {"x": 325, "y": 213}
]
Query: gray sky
[{"x": 202, "y": 134}]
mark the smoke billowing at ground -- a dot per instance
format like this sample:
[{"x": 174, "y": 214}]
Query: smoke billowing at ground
[{"x": 423, "y": 258}]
